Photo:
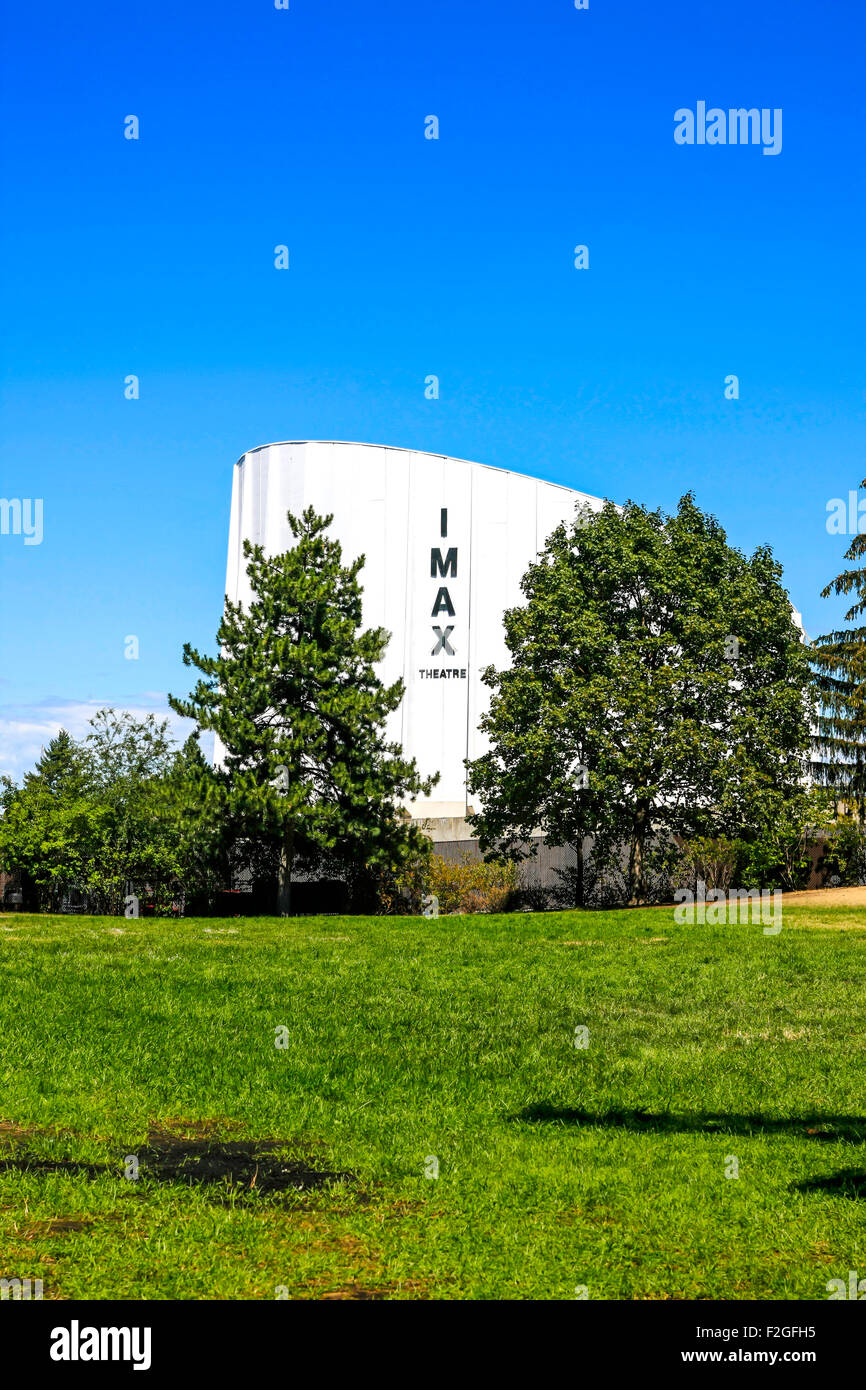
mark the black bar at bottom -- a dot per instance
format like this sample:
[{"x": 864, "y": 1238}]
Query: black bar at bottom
[{"x": 225, "y": 1339}]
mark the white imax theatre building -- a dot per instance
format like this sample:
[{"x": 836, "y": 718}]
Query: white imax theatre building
[{"x": 446, "y": 543}]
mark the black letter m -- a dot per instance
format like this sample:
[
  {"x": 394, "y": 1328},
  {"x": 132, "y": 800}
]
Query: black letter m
[{"x": 446, "y": 566}]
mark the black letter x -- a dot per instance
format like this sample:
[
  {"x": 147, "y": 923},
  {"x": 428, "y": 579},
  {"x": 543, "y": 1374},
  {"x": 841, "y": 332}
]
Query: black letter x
[{"x": 443, "y": 645}]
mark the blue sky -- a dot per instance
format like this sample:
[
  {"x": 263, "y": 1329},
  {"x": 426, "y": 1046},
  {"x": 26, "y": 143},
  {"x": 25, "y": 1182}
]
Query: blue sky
[{"x": 409, "y": 257}]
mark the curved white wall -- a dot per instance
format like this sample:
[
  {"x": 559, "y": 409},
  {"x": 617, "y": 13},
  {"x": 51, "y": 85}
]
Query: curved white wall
[{"x": 407, "y": 512}]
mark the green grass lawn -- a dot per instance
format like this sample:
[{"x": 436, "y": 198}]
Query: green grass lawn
[{"x": 412, "y": 1039}]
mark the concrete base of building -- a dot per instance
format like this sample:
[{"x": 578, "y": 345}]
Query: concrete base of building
[{"x": 445, "y": 828}]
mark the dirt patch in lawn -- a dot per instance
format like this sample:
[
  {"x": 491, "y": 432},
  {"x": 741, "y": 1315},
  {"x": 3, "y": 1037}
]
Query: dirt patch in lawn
[
  {"x": 11, "y": 1132},
  {"x": 254, "y": 1165},
  {"x": 361, "y": 1292},
  {"x": 189, "y": 1152},
  {"x": 826, "y": 897},
  {"x": 355, "y": 1293},
  {"x": 63, "y": 1225}
]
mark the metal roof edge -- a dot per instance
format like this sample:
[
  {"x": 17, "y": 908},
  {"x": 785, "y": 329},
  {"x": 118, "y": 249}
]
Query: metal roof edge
[{"x": 401, "y": 449}]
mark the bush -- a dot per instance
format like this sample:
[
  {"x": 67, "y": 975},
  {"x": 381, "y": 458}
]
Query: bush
[
  {"x": 714, "y": 861},
  {"x": 469, "y": 885},
  {"x": 531, "y": 898},
  {"x": 402, "y": 890},
  {"x": 844, "y": 858},
  {"x": 781, "y": 856}
]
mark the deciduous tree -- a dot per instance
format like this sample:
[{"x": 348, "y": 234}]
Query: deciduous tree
[{"x": 658, "y": 686}]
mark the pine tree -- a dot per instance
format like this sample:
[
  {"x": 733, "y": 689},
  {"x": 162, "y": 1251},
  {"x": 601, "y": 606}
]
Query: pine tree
[
  {"x": 295, "y": 701},
  {"x": 839, "y": 749},
  {"x": 201, "y": 841},
  {"x": 61, "y": 769}
]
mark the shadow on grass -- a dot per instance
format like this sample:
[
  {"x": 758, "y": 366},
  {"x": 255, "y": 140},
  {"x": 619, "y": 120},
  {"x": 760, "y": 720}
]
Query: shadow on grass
[
  {"x": 236, "y": 1167},
  {"x": 850, "y": 1182},
  {"x": 28, "y": 1163},
  {"x": 827, "y": 1127}
]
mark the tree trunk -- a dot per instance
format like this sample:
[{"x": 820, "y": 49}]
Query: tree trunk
[
  {"x": 636, "y": 883},
  {"x": 579, "y": 893},
  {"x": 284, "y": 888}
]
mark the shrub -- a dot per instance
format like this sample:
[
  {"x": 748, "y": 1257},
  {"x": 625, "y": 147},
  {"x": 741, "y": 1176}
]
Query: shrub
[
  {"x": 714, "y": 861},
  {"x": 781, "y": 856},
  {"x": 844, "y": 858},
  {"x": 468, "y": 885},
  {"x": 403, "y": 890},
  {"x": 464, "y": 885},
  {"x": 531, "y": 898}
]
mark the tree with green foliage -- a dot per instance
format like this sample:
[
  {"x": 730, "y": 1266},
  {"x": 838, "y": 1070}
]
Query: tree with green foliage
[
  {"x": 658, "y": 687},
  {"x": 839, "y": 657},
  {"x": 103, "y": 817},
  {"x": 299, "y": 711},
  {"x": 844, "y": 858},
  {"x": 129, "y": 759},
  {"x": 48, "y": 830},
  {"x": 62, "y": 768},
  {"x": 202, "y": 841}
]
